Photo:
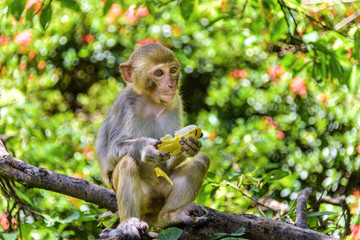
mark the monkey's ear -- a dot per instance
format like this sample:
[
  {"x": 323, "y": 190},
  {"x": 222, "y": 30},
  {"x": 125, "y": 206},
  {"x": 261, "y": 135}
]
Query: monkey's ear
[{"x": 126, "y": 71}]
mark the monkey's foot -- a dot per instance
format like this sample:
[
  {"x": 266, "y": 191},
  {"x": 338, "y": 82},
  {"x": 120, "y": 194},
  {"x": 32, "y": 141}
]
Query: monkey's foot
[
  {"x": 129, "y": 229},
  {"x": 194, "y": 210}
]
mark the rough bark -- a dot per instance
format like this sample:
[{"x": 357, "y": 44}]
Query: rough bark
[
  {"x": 306, "y": 195},
  {"x": 33, "y": 177},
  {"x": 210, "y": 223},
  {"x": 256, "y": 227}
]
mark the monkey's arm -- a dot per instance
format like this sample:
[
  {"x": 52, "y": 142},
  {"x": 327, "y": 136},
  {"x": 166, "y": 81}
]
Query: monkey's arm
[{"x": 140, "y": 149}]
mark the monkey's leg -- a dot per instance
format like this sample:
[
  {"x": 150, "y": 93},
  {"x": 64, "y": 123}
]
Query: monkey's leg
[
  {"x": 187, "y": 179},
  {"x": 127, "y": 186}
]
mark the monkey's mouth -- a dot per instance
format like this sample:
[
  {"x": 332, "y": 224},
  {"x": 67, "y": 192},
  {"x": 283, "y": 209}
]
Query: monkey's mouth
[{"x": 168, "y": 97}]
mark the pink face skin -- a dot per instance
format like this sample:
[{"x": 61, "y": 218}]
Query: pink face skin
[{"x": 165, "y": 76}]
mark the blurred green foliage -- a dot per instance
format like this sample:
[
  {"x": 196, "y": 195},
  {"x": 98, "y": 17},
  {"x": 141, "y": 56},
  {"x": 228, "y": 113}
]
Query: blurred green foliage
[{"x": 273, "y": 84}]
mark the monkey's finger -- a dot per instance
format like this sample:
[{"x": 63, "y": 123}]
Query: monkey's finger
[
  {"x": 156, "y": 143},
  {"x": 164, "y": 154},
  {"x": 143, "y": 226},
  {"x": 189, "y": 144},
  {"x": 195, "y": 141}
]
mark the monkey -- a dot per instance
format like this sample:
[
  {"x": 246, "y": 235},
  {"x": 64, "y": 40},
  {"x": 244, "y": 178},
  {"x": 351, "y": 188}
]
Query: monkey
[{"x": 148, "y": 108}]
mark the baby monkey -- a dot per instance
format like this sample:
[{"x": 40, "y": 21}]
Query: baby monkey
[{"x": 148, "y": 108}]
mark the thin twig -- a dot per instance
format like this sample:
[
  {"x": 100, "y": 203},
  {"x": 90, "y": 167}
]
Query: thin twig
[
  {"x": 253, "y": 199},
  {"x": 347, "y": 20}
]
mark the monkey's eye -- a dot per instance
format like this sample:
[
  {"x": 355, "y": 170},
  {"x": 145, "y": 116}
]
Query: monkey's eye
[
  {"x": 158, "y": 73},
  {"x": 173, "y": 70}
]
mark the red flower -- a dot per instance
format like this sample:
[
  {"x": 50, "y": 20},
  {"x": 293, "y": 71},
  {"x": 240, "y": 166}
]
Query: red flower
[
  {"x": 4, "y": 222},
  {"x": 212, "y": 136},
  {"x": 114, "y": 12},
  {"x": 87, "y": 38},
  {"x": 223, "y": 6},
  {"x": 268, "y": 119},
  {"x": 324, "y": 96},
  {"x": 146, "y": 41},
  {"x": 32, "y": 55},
  {"x": 176, "y": 32},
  {"x": 356, "y": 192},
  {"x": 4, "y": 40},
  {"x": 22, "y": 65},
  {"x": 30, "y": 3},
  {"x": 88, "y": 152},
  {"x": 274, "y": 125},
  {"x": 280, "y": 135},
  {"x": 24, "y": 38},
  {"x": 358, "y": 149},
  {"x": 41, "y": 64},
  {"x": 276, "y": 71},
  {"x": 297, "y": 85},
  {"x": 132, "y": 15},
  {"x": 348, "y": 54},
  {"x": 239, "y": 73},
  {"x": 355, "y": 232},
  {"x": 142, "y": 12},
  {"x": 13, "y": 220}
]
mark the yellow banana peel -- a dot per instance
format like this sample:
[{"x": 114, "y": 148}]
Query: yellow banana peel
[
  {"x": 160, "y": 173},
  {"x": 172, "y": 145}
]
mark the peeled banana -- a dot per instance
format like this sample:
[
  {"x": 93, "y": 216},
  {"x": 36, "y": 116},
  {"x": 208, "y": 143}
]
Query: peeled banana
[{"x": 172, "y": 145}]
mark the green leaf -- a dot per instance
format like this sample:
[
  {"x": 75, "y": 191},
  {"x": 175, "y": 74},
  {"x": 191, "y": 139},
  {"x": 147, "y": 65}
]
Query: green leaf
[
  {"x": 171, "y": 233},
  {"x": 289, "y": 21},
  {"x": 275, "y": 175},
  {"x": 46, "y": 16},
  {"x": 186, "y": 7},
  {"x": 335, "y": 68},
  {"x": 240, "y": 231},
  {"x": 16, "y": 7},
  {"x": 107, "y": 6},
  {"x": 323, "y": 66},
  {"x": 23, "y": 196},
  {"x": 354, "y": 79},
  {"x": 150, "y": 6},
  {"x": 318, "y": 214},
  {"x": 235, "y": 174},
  {"x": 279, "y": 30},
  {"x": 30, "y": 14},
  {"x": 356, "y": 53},
  {"x": 75, "y": 6}
]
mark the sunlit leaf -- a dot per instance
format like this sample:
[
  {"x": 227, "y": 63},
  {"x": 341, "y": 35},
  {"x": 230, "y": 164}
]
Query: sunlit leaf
[
  {"x": 186, "y": 8},
  {"x": 16, "y": 7},
  {"x": 278, "y": 30},
  {"x": 356, "y": 53},
  {"x": 71, "y": 4},
  {"x": 45, "y": 16},
  {"x": 354, "y": 78},
  {"x": 324, "y": 213}
]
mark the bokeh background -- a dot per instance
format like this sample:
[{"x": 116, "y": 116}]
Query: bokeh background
[{"x": 274, "y": 85}]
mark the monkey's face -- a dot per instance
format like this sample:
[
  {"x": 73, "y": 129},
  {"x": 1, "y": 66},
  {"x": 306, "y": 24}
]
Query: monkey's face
[{"x": 164, "y": 78}]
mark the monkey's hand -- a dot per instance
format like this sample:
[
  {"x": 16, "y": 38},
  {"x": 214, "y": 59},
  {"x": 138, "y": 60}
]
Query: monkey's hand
[
  {"x": 128, "y": 229},
  {"x": 190, "y": 146},
  {"x": 150, "y": 154}
]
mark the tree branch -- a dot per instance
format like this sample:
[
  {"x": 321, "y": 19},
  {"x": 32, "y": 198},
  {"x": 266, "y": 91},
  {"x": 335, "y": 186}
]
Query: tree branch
[
  {"x": 305, "y": 196},
  {"x": 33, "y": 177},
  {"x": 210, "y": 223}
]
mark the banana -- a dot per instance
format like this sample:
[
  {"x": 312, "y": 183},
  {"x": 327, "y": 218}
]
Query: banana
[{"x": 172, "y": 145}]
